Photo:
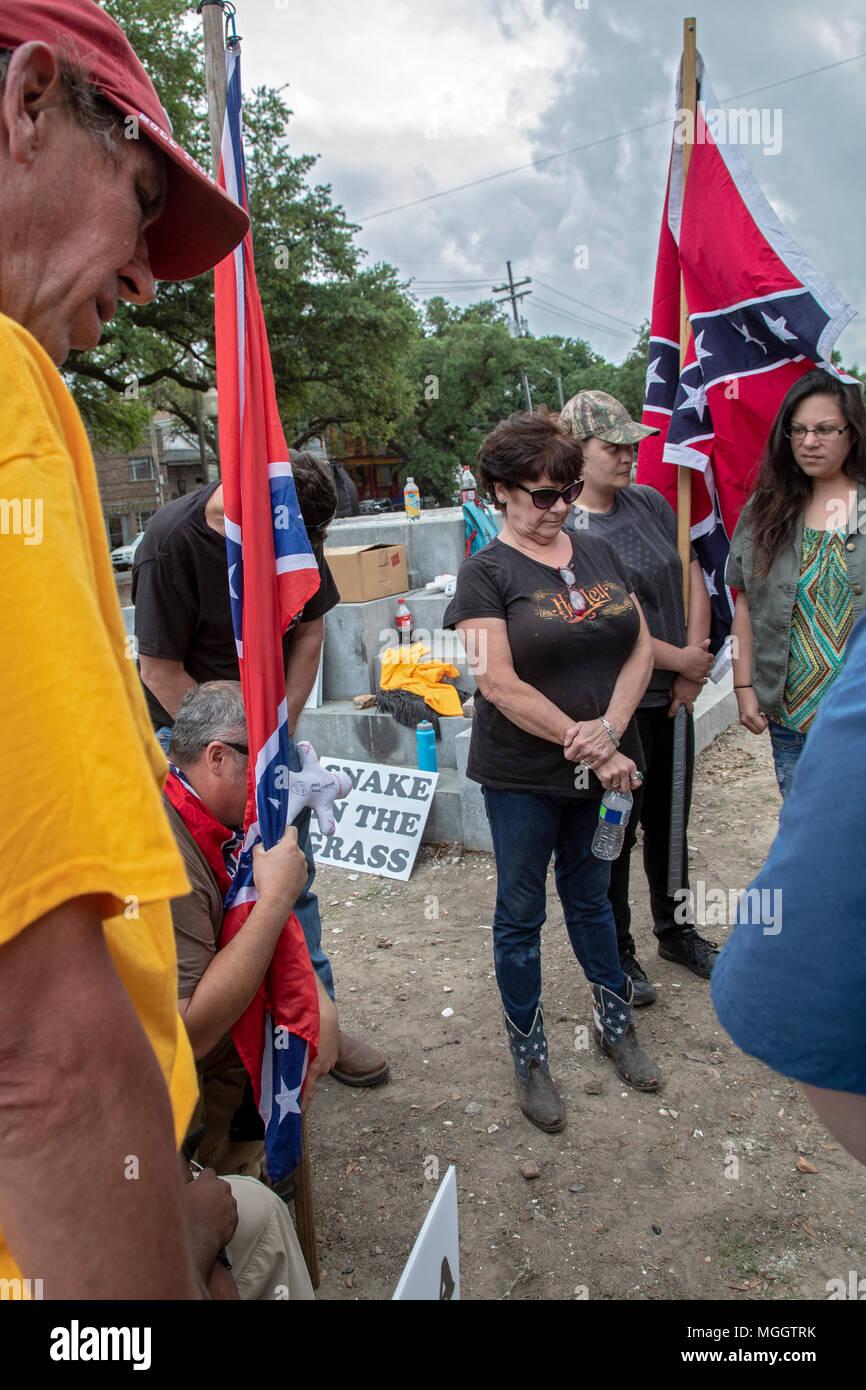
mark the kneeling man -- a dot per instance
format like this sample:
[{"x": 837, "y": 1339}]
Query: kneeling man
[{"x": 208, "y": 757}]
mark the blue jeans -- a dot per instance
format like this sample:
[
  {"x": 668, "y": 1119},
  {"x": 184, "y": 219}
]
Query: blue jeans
[
  {"x": 307, "y": 906},
  {"x": 787, "y": 746},
  {"x": 527, "y": 828}
]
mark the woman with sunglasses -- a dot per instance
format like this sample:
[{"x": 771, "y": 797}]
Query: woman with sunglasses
[
  {"x": 798, "y": 560},
  {"x": 641, "y": 526},
  {"x": 562, "y": 657}
]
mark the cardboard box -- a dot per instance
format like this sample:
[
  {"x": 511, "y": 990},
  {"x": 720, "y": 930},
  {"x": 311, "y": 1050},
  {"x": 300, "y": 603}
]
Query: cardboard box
[{"x": 364, "y": 572}]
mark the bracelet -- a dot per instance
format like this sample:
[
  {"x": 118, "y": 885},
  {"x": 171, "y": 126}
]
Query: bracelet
[
  {"x": 610, "y": 731},
  {"x": 742, "y": 687}
]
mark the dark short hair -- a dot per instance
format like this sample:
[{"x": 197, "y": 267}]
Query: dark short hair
[
  {"x": 317, "y": 496},
  {"x": 524, "y": 447}
]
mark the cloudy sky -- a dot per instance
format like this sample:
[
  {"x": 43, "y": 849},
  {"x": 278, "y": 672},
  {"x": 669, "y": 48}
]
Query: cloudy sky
[{"x": 403, "y": 100}]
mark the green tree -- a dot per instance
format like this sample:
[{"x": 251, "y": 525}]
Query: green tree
[
  {"x": 467, "y": 372},
  {"x": 465, "y": 377},
  {"x": 340, "y": 332}
]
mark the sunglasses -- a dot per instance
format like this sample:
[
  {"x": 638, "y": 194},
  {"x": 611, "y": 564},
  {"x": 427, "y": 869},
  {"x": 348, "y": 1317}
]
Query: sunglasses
[
  {"x": 238, "y": 747},
  {"x": 578, "y": 602},
  {"x": 546, "y": 497}
]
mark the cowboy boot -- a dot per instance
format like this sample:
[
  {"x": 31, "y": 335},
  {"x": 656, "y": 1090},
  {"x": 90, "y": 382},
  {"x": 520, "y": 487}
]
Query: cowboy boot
[
  {"x": 616, "y": 1037},
  {"x": 538, "y": 1098}
]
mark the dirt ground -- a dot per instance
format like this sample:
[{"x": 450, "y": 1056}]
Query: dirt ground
[{"x": 692, "y": 1193}]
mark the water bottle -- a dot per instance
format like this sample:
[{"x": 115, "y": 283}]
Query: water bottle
[
  {"x": 467, "y": 486},
  {"x": 613, "y": 814},
  {"x": 412, "y": 500},
  {"x": 425, "y": 736}
]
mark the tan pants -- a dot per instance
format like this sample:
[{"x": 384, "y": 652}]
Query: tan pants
[
  {"x": 267, "y": 1263},
  {"x": 222, "y": 1082}
]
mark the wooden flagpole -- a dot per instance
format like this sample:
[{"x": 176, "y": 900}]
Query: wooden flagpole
[
  {"x": 687, "y": 102},
  {"x": 213, "y": 20}
]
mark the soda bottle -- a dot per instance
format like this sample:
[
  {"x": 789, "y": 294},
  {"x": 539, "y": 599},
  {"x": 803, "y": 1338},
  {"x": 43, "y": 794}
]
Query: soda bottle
[
  {"x": 613, "y": 814},
  {"x": 467, "y": 486},
  {"x": 412, "y": 500},
  {"x": 404, "y": 621}
]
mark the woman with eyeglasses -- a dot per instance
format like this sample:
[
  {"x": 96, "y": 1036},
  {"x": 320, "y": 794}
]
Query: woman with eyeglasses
[
  {"x": 798, "y": 560},
  {"x": 561, "y": 656},
  {"x": 641, "y": 526}
]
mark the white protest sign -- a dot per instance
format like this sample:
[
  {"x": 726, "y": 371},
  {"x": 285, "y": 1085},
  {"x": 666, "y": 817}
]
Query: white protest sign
[
  {"x": 432, "y": 1271},
  {"x": 380, "y": 822}
]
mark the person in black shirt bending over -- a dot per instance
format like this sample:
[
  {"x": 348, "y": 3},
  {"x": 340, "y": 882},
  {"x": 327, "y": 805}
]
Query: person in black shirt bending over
[
  {"x": 183, "y": 628},
  {"x": 562, "y": 656}
]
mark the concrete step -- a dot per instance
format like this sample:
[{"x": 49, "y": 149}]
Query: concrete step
[
  {"x": 339, "y": 730},
  {"x": 356, "y": 635}
]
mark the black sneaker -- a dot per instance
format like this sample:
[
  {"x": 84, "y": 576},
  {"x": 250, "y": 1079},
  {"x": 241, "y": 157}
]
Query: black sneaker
[
  {"x": 687, "y": 948},
  {"x": 643, "y": 990}
]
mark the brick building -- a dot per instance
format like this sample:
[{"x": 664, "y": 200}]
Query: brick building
[{"x": 132, "y": 486}]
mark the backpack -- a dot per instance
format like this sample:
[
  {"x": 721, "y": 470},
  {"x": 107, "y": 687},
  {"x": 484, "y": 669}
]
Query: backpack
[{"x": 481, "y": 525}]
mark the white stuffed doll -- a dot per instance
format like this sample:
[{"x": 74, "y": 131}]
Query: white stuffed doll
[{"x": 315, "y": 787}]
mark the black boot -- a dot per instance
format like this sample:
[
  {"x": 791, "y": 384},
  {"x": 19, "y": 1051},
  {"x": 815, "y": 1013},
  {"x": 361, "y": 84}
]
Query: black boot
[
  {"x": 538, "y": 1098},
  {"x": 616, "y": 1037},
  {"x": 687, "y": 947},
  {"x": 644, "y": 992}
]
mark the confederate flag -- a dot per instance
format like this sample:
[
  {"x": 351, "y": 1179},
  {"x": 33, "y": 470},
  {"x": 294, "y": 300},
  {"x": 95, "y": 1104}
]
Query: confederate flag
[
  {"x": 761, "y": 315},
  {"x": 272, "y": 573}
]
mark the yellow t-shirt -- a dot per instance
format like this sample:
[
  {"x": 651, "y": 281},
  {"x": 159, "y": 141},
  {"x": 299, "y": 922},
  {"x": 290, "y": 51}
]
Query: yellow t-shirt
[{"x": 82, "y": 770}]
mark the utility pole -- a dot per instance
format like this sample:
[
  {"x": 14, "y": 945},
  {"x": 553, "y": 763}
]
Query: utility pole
[{"x": 511, "y": 293}]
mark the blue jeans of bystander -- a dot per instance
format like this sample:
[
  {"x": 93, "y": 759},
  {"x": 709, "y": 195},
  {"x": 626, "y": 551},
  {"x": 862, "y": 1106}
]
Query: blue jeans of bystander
[
  {"x": 527, "y": 828},
  {"x": 787, "y": 746}
]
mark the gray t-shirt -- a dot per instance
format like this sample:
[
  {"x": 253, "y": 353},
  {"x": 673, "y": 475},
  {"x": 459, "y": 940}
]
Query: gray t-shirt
[{"x": 641, "y": 527}]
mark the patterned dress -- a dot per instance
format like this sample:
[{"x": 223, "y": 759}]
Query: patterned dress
[{"x": 820, "y": 626}]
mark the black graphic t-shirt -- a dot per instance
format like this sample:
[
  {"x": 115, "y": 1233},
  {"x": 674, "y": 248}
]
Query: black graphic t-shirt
[{"x": 574, "y": 658}]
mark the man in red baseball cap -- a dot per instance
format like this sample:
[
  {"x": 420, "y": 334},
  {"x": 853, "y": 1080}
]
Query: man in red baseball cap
[{"x": 97, "y": 1082}]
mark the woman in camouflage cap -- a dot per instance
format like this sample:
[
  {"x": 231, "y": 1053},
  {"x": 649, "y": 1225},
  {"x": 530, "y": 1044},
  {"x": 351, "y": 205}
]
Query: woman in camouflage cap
[{"x": 642, "y": 527}]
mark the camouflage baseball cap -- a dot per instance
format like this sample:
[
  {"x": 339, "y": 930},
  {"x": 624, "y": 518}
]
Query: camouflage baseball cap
[{"x": 600, "y": 415}]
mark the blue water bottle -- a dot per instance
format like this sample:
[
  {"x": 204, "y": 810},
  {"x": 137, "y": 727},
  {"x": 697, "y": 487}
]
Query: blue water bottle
[{"x": 426, "y": 738}]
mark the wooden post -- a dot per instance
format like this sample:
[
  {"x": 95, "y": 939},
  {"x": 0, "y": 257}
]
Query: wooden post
[
  {"x": 213, "y": 20},
  {"x": 305, "y": 1215},
  {"x": 687, "y": 101}
]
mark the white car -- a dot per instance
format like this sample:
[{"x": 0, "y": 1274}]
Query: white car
[{"x": 122, "y": 557}]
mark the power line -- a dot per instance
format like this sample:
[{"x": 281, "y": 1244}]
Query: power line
[
  {"x": 424, "y": 287},
  {"x": 593, "y": 307},
  {"x": 593, "y": 144},
  {"x": 584, "y": 323},
  {"x": 557, "y": 285}
]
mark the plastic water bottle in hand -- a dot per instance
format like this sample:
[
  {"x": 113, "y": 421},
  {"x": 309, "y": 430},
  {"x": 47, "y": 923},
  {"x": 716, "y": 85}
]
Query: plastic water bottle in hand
[{"x": 613, "y": 814}]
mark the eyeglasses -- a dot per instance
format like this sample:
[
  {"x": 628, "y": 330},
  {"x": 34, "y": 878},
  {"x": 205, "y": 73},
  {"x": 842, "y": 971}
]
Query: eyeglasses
[
  {"x": 798, "y": 433},
  {"x": 546, "y": 497},
  {"x": 578, "y": 602}
]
